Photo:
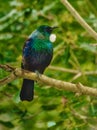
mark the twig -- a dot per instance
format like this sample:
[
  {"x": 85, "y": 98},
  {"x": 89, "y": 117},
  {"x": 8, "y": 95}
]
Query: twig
[
  {"x": 78, "y": 115},
  {"x": 7, "y": 79},
  {"x": 63, "y": 69},
  {"x": 72, "y": 70},
  {"x": 79, "y": 19},
  {"x": 80, "y": 87},
  {"x": 7, "y": 67},
  {"x": 76, "y": 77},
  {"x": 67, "y": 86}
]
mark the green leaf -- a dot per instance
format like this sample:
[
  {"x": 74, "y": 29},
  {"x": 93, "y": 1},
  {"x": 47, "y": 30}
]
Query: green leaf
[{"x": 7, "y": 124}]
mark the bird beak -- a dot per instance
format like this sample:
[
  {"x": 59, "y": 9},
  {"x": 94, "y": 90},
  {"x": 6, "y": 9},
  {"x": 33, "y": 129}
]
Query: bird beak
[{"x": 54, "y": 27}]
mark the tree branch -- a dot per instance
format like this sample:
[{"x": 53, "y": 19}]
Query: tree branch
[
  {"x": 77, "y": 88},
  {"x": 79, "y": 19}
]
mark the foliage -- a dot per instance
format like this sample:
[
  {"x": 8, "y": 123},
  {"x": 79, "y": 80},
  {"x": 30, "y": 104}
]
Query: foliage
[{"x": 51, "y": 109}]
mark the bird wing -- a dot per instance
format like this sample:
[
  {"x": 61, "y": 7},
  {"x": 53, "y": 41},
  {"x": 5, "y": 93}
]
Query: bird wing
[{"x": 26, "y": 51}]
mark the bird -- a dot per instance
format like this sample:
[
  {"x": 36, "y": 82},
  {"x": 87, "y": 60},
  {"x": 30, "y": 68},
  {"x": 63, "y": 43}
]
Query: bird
[{"x": 37, "y": 55}]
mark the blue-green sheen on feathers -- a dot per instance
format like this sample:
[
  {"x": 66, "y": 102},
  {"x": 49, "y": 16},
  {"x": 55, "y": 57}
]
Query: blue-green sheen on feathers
[{"x": 41, "y": 42}]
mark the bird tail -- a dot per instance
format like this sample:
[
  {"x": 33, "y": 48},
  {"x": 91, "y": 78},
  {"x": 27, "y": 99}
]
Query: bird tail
[{"x": 27, "y": 91}]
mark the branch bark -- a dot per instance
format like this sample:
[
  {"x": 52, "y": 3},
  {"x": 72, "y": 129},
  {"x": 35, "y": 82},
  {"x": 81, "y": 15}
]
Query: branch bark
[
  {"x": 79, "y": 19},
  {"x": 77, "y": 88}
]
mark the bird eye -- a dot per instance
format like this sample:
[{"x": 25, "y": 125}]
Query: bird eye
[{"x": 48, "y": 29}]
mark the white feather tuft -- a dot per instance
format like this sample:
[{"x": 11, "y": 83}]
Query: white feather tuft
[{"x": 52, "y": 37}]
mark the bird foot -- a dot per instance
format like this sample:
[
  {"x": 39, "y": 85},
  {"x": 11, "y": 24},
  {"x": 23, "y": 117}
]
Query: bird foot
[{"x": 37, "y": 73}]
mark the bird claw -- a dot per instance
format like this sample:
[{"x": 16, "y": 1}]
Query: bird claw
[{"x": 37, "y": 73}]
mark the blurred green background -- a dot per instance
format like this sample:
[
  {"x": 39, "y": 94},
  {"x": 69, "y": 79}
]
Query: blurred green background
[{"x": 51, "y": 108}]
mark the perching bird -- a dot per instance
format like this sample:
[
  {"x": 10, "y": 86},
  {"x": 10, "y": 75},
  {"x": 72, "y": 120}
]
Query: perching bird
[{"x": 37, "y": 55}]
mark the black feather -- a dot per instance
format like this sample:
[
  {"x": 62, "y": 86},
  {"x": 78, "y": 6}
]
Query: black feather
[{"x": 27, "y": 91}]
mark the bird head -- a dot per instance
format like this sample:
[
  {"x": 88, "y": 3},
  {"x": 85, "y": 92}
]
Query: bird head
[{"x": 46, "y": 30}]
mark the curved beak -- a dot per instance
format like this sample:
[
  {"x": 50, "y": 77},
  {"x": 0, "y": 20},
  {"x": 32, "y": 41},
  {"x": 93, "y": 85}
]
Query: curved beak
[{"x": 54, "y": 27}]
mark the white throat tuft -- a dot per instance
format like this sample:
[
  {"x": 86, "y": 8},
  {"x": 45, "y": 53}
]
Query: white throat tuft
[{"x": 52, "y": 38}]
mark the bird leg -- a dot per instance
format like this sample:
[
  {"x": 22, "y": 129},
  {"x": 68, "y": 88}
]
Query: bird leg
[{"x": 37, "y": 73}]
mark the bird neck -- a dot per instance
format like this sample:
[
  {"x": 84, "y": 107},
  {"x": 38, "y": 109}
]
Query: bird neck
[
  {"x": 41, "y": 42},
  {"x": 43, "y": 45}
]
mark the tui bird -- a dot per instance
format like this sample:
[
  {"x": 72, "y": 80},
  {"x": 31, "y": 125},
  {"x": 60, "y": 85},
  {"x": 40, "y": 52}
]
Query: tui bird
[{"x": 37, "y": 55}]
